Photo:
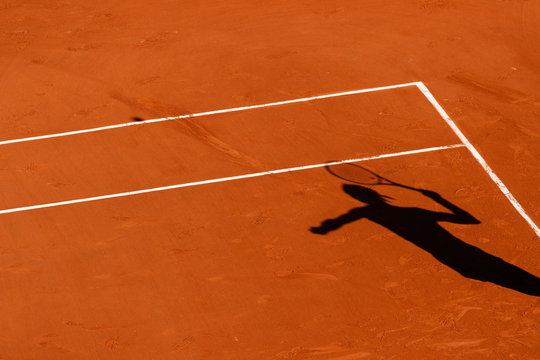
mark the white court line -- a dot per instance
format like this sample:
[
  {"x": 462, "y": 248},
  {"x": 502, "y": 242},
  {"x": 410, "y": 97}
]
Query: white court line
[
  {"x": 478, "y": 157},
  {"x": 420, "y": 85},
  {"x": 230, "y": 178},
  {"x": 206, "y": 113}
]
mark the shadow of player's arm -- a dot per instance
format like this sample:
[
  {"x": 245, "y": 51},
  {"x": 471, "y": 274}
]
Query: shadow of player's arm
[
  {"x": 458, "y": 215},
  {"x": 334, "y": 224}
]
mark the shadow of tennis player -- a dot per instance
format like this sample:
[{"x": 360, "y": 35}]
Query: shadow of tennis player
[{"x": 421, "y": 227}]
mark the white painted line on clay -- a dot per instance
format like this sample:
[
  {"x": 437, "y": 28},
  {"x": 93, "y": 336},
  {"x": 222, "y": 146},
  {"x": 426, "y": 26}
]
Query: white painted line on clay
[
  {"x": 223, "y": 179},
  {"x": 206, "y": 113},
  {"x": 478, "y": 157}
]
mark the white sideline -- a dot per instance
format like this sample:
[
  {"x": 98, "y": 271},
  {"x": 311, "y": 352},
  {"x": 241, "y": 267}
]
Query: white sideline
[
  {"x": 478, "y": 157},
  {"x": 420, "y": 85},
  {"x": 230, "y": 178},
  {"x": 206, "y": 113}
]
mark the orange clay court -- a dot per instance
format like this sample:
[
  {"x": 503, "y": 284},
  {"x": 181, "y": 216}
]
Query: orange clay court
[{"x": 289, "y": 180}]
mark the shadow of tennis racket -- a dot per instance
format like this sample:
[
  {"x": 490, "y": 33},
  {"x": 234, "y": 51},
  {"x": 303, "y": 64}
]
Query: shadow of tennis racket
[{"x": 357, "y": 174}]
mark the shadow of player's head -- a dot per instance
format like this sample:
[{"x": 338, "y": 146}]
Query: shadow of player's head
[{"x": 365, "y": 194}]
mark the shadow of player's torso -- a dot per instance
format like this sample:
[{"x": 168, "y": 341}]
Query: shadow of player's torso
[{"x": 421, "y": 227}]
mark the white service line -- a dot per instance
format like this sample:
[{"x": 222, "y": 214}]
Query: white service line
[
  {"x": 478, "y": 157},
  {"x": 206, "y": 113},
  {"x": 230, "y": 178}
]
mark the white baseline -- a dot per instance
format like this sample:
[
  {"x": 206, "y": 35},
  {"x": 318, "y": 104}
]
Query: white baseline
[{"x": 206, "y": 113}]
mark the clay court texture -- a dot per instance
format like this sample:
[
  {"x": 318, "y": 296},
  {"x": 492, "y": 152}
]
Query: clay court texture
[{"x": 171, "y": 185}]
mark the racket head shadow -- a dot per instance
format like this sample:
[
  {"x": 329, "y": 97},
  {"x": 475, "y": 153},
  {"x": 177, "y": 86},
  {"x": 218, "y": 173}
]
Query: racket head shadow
[{"x": 354, "y": 173}]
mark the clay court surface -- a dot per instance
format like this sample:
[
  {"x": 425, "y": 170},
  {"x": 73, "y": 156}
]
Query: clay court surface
[{"x": 228, "y": 265}]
